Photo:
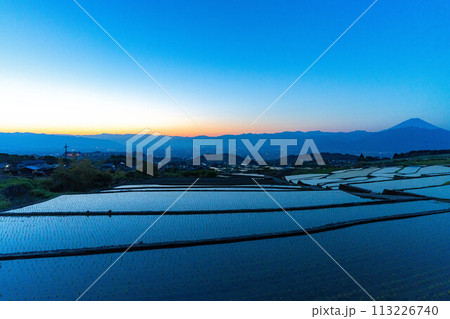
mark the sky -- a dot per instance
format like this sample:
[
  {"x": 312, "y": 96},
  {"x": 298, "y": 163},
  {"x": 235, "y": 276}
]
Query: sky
[{"x": 225, "y": 62}]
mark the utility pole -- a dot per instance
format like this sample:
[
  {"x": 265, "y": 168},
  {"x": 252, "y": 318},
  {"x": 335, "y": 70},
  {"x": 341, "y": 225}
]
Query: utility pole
[{"x": 65, "y": 152}]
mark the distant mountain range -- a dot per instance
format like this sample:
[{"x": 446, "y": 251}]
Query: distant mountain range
[{"x": 413, "y": 134}]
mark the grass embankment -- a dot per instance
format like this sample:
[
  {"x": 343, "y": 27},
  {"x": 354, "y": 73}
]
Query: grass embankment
[
  {"x": 19, "y": 191},
  {"x": 79, "y": 177}
]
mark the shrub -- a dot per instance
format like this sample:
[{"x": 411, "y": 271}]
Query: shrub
[
  {"x": 41, "y": 193},
  {"x": 80, "y": 178},
  {"x": 43, "y": 182}
]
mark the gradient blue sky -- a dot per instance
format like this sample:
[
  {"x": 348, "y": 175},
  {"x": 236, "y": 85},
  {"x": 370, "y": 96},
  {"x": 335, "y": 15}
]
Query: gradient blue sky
[{"x": 225, "y": 62}]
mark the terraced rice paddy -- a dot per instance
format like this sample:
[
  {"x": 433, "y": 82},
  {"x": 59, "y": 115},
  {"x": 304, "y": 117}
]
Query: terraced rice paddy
[
  {"x": 352, "y": 173},
  {"x": 386, "y": 171},
  {"x": 371, "y": 175},
  {"x": 434, "y": 170},
  {"x": 405, "y": 184},
  {"x": 199, "y": 187},
  {"x": 191, "y": 201},
  {"x": 227, "y": 243},
  {"x": 319, "y": 181},
  {"x": 25, "y": 234},
  {"x": 397, "y": 260},
  {"x": 437, "y": 192},
  {"x": 409, "y": 170},
  {"x": 203, "y": 189},
  {"x": 294, "y": 178}
]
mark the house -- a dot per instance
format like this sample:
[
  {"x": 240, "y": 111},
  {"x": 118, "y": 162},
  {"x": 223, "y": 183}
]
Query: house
[
  {"x": 4, "y": 167},
  {"x": 34, "y": 163},
  {"x": 35, "y": 167}
]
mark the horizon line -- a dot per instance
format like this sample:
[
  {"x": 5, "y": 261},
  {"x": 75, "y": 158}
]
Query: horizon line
[{"x": 127, "y": 131}]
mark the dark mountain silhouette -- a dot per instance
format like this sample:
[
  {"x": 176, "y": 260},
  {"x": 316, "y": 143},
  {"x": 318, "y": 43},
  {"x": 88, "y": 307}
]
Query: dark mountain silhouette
[
  {"x": 413, "y": 134},
  {"x": 414, "y": 122},
  {"x": 31, "y": 143},
  {"x": 404, "y": 139}
]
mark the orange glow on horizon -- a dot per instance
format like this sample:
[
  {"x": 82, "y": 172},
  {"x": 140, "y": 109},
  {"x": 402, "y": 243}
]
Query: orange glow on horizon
[{"x": 185, "y": 132}]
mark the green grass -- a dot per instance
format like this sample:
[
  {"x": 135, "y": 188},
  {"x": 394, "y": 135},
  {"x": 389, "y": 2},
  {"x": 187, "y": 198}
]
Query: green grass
[
  {"x": 20, "y": 190},
  {"x": 4, "y": 203},
  {"x": 14, "y": 181}
]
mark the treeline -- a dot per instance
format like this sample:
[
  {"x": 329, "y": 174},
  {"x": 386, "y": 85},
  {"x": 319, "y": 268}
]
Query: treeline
[
  {"x": 79, "y": 176},
  {"x": 420, "y": 153},
  {"x": 16, "y": 159}
]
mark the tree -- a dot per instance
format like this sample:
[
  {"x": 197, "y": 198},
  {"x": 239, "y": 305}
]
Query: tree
[{"x": 80, "y": 177}]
